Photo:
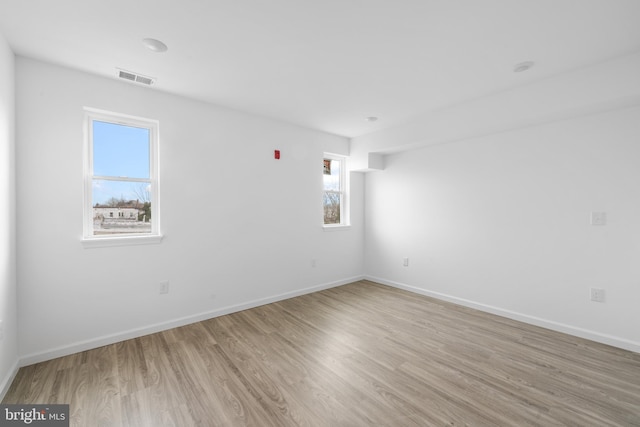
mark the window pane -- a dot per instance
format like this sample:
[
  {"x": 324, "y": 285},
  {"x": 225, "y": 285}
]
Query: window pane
[
  {"x": 121, "y": 207},
  {"x": 120, "y": 150},
  {"x": 331, "y": 208},
  {"x": 331, "y": 176}
]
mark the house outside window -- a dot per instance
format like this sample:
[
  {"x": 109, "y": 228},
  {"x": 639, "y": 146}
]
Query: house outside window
[{"x": 121, "y": 178}]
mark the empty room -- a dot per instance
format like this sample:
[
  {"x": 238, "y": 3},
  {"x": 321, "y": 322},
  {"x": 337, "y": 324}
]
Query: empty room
[{"x": 320, "y": 213}]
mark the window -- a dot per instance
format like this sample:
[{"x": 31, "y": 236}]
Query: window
[
  {"x": 334, "y": 190},
  {"x": 121, "y": 178}
]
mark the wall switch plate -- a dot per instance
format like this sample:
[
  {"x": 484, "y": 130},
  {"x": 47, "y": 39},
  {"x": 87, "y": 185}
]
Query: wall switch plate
[
  {"x": 597, "y": 294},
  {"x": 598, "y": 218},
  {"x": 405, "y": 262},
  {"x": 164, "y": 287},
  {"x": 313, "y": 262}
]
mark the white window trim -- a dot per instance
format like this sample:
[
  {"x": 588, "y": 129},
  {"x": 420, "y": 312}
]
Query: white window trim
[
  {"x": 345, "y": 214},
  {"x": 335, "y": 227},
  {"x": 125, "y": 240},
  {"x": 88, "y": 239}
]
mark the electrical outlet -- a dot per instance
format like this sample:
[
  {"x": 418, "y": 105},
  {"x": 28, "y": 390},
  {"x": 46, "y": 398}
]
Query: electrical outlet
[
  {"x": 597, "y": 295},
  {"x": 598, "y": 218},
  {"x": 164, "y": 287}
]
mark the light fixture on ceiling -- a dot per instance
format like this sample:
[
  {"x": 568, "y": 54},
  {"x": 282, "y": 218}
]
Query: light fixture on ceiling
[
  {"x": 155, "y": 45},
  {"x": 523, "y": 66},
  {"x": 371, "y": 119}
]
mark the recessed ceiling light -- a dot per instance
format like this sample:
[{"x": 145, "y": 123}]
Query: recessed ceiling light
[
  {"x": 155, "y": 45},
  {"x": 371, "y": 119},
  {"x": 523, "y": 66}
]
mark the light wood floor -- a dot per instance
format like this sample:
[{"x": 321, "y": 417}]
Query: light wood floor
[{"x": 357, "y": 355}]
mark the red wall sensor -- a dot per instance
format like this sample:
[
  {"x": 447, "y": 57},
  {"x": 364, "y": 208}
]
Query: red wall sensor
[{"x": 276, "y": 154}]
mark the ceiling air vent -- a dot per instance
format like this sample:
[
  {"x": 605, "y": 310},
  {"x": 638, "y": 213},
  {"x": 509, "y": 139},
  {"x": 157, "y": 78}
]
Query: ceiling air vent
[
  {"x": 144, "y": 80},
  {"x": 138, "y": 78}
]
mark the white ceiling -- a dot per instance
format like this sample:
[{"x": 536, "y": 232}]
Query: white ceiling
[{"x": 326, "y": 64}]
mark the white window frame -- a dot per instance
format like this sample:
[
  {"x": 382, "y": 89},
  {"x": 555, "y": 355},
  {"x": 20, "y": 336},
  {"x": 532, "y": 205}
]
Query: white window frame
[
  {"x": 345, "y": 222},
  {"x": 89, "y": 240}
]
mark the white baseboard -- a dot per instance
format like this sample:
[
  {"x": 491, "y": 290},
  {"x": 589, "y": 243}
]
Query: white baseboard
[
  {"x": 544, "y": 323},
  {"x": 8, "y": 379},
  {"x": 163, "y": 326}
]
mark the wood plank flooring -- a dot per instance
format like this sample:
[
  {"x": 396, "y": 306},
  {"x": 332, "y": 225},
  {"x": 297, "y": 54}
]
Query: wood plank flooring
[{"x": 362, "y": 354}]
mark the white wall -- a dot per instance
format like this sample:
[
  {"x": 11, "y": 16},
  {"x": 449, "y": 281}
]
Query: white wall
[
  {"x": 501, "y": 222},
  {"x": 8, "y": 302},
  {"x": 254, "y": 228}
]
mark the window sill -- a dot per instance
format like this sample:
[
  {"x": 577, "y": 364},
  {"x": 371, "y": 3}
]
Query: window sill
[
  {"x": 105, "y": 242},
  {"x": 336, "y": 227}
]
